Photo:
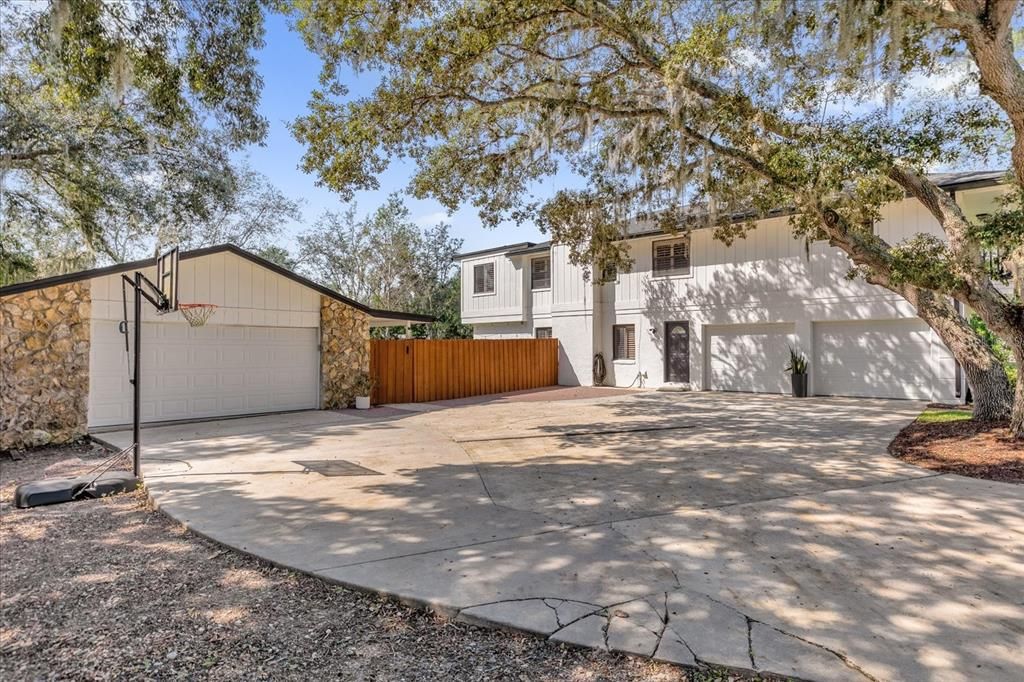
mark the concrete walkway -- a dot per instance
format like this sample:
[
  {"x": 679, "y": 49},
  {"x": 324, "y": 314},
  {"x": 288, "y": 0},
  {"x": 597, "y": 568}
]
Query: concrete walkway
[{"x": 755, "y": 532}]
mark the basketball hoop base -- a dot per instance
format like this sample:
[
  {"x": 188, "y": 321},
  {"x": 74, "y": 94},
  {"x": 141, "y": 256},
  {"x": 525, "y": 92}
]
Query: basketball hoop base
[
  {"x": 196, "y": 314},
  {"x": 58, "y": 490}
]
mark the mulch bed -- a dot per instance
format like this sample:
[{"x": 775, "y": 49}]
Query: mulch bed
[
  {"x": 969, "y": 448},
  {"x": 111, "y": 589}
]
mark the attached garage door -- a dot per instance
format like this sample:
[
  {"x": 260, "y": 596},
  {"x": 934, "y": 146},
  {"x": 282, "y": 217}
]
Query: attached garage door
[
  {"x": 211, "y": 371},
  {"x": 749, "y": 357},
  {"x": 879, "y": 359}
]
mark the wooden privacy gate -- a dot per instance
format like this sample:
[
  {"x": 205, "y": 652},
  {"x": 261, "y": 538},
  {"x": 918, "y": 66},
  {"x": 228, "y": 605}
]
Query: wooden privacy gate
[{"x": 422, "y": 370}]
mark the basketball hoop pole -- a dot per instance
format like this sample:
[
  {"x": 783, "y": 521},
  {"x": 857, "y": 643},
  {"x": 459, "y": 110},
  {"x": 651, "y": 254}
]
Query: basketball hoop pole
[
  {"x": 136, "y": 396},
  {"x": 139, "y": 285}
]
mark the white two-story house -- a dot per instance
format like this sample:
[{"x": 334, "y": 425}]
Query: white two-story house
[{"x": 693, "y": 311}]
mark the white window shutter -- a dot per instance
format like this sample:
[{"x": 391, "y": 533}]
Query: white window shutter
[{"x": 483, "y": 278}]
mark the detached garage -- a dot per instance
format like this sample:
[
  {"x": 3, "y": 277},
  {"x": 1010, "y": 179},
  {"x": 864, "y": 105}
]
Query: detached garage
[{"x": 276, "y": 342}]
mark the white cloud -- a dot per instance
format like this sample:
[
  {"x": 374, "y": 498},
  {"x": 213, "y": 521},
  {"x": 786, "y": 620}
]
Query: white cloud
[{"x": 431, "y": 219}]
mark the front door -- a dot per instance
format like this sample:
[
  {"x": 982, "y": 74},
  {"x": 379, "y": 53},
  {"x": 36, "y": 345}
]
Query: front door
[{"x": 677, "y": 352}]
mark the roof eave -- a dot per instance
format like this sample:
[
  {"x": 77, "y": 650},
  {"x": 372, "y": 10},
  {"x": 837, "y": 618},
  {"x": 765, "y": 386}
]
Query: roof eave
[
  {"x": 494, "y": 250},
  {"x": 57, "y": 280}
]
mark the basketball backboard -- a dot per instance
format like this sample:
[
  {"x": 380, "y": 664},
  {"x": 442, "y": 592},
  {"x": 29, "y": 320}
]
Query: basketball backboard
[{"x": 167, "y": 278}]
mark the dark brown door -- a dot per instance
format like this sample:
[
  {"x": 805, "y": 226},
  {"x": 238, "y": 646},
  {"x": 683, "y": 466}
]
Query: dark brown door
[{"x": 677, "y": 352}]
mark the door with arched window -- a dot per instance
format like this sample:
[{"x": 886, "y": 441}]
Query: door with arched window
[{"x": 677, "y": 352}]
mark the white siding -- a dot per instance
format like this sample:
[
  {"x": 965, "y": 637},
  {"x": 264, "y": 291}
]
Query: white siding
[
  {"x": 505, "y": 304},
  {"x": 504, "y": 330},
  {"x": 540, "y": 303},
  {"x": 245, "y": 293},
  {"x": 768, "y": 277}
]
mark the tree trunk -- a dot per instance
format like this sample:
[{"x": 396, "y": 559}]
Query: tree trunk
[
  {"x": 993, "y": 396},
  {"x": 1017, "y": 418},
  {"x": 992, "y": 393}
]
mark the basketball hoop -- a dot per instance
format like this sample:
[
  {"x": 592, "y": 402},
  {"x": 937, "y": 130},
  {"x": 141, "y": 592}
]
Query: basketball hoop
[{"x": 196, "y": 314}]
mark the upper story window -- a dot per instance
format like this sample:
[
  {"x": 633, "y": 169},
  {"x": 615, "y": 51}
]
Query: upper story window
[
  {"x": 540, "y": 273},
  {"x": 483, "y": 278},
  {"x": 672, "y": 256},
  {"x": 542, "y": 332},
  {"x": 624, "y": 342}
]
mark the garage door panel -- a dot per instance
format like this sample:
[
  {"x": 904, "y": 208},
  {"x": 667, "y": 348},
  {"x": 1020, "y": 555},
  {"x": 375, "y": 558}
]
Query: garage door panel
[
  {"x": 195, "y": 372},
  {"x": 170, "y": 356},
  {"x": 233, "y": 403},
  {"x": 261, "y": 403},
  {"x": 174, "y": 383},
  {"x": 205, "y": 358},
  {"x": 875, "y": 359},
  {"x": 205, "y": 382},
  {"x": 749, "y": 358},
  {"x": 172, "y": 408}
]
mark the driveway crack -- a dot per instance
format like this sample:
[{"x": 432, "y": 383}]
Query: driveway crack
[
  {"x": 750, "y": 641},
  {"x": 664, "y": 627},
  {"x": 643, "y": 550},
  {"x": 838, "y": 654}
]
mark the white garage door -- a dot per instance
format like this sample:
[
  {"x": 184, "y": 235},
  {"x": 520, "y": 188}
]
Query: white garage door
[
  {"x": 211, "y": 371},
  {"x": 880, "y": 359},
  {"x": 750, "y": 357}
]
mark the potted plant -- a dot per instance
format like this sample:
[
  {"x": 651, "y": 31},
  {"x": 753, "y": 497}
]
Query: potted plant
[
  {"x": 362, "y": 387},
  {"x": 798, "y": 372}
]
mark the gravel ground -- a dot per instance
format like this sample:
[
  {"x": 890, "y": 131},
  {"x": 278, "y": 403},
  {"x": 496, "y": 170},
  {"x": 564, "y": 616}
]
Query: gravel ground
[{"x": 111, "y": 589}]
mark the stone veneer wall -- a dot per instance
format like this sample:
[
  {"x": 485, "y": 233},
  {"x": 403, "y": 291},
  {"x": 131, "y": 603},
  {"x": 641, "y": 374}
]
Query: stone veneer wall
[
  {"x": 44, "y": 365},
  {"x": 344, "y": 351}
]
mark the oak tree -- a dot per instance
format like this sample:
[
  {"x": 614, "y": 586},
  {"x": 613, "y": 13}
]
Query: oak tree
[
  {"x": 120, "y": 118},
  {"x": 691, "y": 113}
]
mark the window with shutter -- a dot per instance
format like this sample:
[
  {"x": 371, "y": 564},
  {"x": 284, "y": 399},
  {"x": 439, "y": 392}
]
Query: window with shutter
[
  {"x": 672, "y": 257},
  {"x": 542, "y": 332},
  {"x": 624, "y": 342},
  {"x": 540, "y": 273},
  {"x": 483, "y": 278}
]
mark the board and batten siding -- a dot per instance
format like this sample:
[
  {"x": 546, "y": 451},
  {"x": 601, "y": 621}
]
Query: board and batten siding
[
  {"x": 768, "y": 271},
  {"x": 505, "y": 304},
  {"x": 768, "y": 277},
  {"x": 540, "y": 302},
  {"x": 245, "y": 293}
]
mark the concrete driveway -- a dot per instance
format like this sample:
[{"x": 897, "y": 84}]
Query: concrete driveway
[{"x": 754, "y": 532}]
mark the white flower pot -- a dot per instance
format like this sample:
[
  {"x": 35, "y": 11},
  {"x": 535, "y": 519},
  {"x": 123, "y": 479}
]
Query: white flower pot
[{"x": 363, "y": 402}]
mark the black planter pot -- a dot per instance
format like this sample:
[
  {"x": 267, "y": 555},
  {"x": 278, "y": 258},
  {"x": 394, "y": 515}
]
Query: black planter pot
[{"x": 799, "y": 385}]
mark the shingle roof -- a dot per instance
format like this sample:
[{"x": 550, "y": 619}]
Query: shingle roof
[{"x": 952, "y": 181}]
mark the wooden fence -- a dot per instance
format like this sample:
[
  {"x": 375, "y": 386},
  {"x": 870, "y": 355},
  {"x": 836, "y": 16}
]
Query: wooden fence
[{"x": 421, "y": 370}]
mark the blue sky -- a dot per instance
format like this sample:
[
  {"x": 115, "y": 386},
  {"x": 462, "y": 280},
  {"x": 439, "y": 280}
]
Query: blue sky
[{"x": 290, "y": 73}]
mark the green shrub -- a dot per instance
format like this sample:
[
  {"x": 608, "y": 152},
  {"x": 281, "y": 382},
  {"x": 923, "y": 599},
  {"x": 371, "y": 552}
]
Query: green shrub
[{"x": 999, "y": 348}]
